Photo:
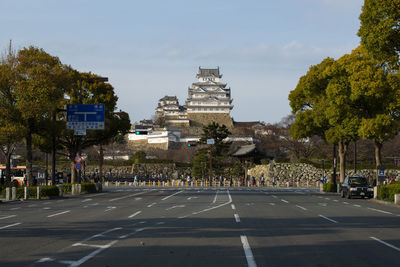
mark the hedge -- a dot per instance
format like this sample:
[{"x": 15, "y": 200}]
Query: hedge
[
  {"x": 387, "y": 192},
  {"x": 329, "y": 187},
  {"x": 88, "y": 188},
  {"x": 46, "y": 191}
]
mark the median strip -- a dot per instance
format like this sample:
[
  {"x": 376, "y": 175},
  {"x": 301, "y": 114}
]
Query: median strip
[{"x": 331, "y": 220}]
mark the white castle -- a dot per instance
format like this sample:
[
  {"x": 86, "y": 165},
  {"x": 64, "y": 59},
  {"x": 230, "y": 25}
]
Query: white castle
[{"x": 208, "y": 101}]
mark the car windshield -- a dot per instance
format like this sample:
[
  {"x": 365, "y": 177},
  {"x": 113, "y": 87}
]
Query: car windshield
[{"x": 358, "y": 181}]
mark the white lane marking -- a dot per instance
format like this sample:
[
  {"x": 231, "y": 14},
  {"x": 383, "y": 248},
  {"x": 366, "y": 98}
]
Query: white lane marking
[
  {"x": 176, "y": 206},
  {"x": 44, "y": 260},
  {"x": 272, "y": 204},
  {"x": 181, "y": 217},
  {"x": 47, "y": 208},
  {"x": 88, "y": 245},
  {"x": 216, "y": 207},
  {"x": 233, "y": 206},
  {"x": 171, "y": 195},
  {"x": 151, "y": 205},
  {"x": 284, "y": 201},
  {"x": 385, "y": 243},
  {"x": 336, "y": 200},
  {"x": 91, "y": 255},
  {"x": 136, "y": 213},
  {"x": 215, "y": 198},
  {"x": 247, "y": 251},
  {"x": 32, "y": 205},
  {"x": 110, "y": 208},
  {"x": 301, "y": 207},
  {"x": 56, "y": 214},
  {"x": 358, "y": 206},
  {"x": 322, "y": 204},
  {"x": 329, "y": 219},
  {"x": 86, "y": 200},
  {"x": 274, "y": 196},
  {"x": 344, "y": 202},
  {"x": 96, "y": 195},
  {"x": 189, "y": 198},
  {"x": 382, "y": 211},
  {"x": 15, "y": 208},
  {"x": 6, "y": 217},
  {"x": 327, "y": 198},
  {"x": 132, "y": 195},
  {"x": 10, "y": 225},
  {"x": 138, "y": 198},
  {"x": 102, "y": 233},
  {"x": 159, "y": 223},
  {"x": 237, "y": 219}
]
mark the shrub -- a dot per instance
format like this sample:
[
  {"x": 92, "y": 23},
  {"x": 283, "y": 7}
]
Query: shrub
[
  {"x": 329, "y": 187},
  {"x": 49, "y": 191},
  {"x": 88, "y": 187},
  {"x": 67, "y": 188},
  {"x": 387, "y": 192}
]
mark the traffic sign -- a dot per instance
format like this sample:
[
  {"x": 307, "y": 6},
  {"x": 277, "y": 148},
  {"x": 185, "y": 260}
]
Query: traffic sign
[
  {"x": 78, "y": 159},
  {"x": 85, "y": 116},
  {"x": 78, "y": 166},
  {"x": 381, "y": 172},
  {"x": 210, "y": 141}
]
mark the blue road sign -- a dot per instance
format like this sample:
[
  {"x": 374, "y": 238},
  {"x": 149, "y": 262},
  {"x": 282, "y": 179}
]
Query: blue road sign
[
  {"x": 78, "y": 166},
  {"x": 85, "y": 116}
]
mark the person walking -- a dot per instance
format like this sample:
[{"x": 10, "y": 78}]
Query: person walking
[{"x": 262, "y": 180}]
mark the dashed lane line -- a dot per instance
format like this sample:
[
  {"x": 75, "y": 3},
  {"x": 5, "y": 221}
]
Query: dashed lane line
[
  {"x": 165, "y": 198},
  {"x": 385, "y": 243},
  {"x": 284, "y": 201},
  {"x": 10, "y": 225},
  {"x": 237, "y": 218},
  {"x": 215, "y": 198},
  {"x": 233, "y": 206},
  {"x": 301, "y": 207},
  {"x": 133, "y": 215},
  {"x": 60, "y": 213},
  {"x": 6, "y": 217},
  {"x": 247, "y": 251},
  {"x": 381, "y": 211},
  {"x": 132, "y": 195},
  {"x": 329, "y": 219}
]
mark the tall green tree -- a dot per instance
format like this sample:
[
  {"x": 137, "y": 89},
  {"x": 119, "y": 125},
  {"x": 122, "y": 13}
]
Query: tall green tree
[
  {"x": 39, "y": 90},
  {"x": 11, "y": 130},
  {"x": 219, "y": 150},
  {"x": 380, "y": 30},
  {"x": 89, "y": 89}
]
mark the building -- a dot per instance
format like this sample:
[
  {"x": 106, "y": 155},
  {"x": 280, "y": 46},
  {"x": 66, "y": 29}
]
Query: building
[
  {"x": 209, "y": 100},
  {"x": 169, "y": 112}
]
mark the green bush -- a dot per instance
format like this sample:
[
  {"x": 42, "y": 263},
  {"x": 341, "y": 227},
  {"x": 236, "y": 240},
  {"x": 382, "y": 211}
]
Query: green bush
[
  {"x": 387, "y": 192},
  {"x": 88, "y": 188},
  {"x": 67, "y": 188},
  {"x": 329, "y": 187},
  {"x": 49, "y": 191}
]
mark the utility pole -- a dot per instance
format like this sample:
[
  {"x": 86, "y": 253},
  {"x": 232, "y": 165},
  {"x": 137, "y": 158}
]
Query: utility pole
[
  {"x": 210, "y": 163},
  {"x": 334, "y": 164},
  {"x": 355, "y": 156}
]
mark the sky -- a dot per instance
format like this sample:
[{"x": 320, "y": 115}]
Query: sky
[{"x": 149, "y": 49}]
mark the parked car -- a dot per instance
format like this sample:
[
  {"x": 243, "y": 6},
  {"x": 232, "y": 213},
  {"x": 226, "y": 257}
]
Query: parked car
[{"x": 356, "y": 186}]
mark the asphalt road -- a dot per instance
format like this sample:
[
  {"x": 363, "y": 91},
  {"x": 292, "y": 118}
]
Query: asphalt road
[{"x": 200, "y": 227}]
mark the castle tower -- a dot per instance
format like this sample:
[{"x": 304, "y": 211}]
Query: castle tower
[{"x": 209, "y": 100}]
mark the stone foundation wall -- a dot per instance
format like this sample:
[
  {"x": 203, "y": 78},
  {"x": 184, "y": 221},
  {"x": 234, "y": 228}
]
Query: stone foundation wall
[
  {"x": 300, "y": 174},
  {"x": 199, "y": 119},
  {"x": 144, "y": 145}
]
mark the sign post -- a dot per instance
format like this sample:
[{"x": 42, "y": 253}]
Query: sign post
[{"x": 211, "y": 143}]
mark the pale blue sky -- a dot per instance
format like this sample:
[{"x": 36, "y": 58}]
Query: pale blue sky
[{"x": 153, "y": 48}]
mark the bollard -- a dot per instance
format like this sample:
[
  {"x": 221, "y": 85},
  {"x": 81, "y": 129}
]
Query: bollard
[
  {"x": 13, "y": 193},
  {"x": 99, "y": 187},
  {"x": 26, "y": 192},
  {"x": 397, "y": 199},
  {"x": 38, "y": 192},
  {"x": 321, "y": 187},
  {"x": 337, "y": 188},
  {"x": 375, "y": 192},
  {"x": 8, "y": 194},
  {"x": 287, "y": 184},
  {"x": 60, "y": 190}
]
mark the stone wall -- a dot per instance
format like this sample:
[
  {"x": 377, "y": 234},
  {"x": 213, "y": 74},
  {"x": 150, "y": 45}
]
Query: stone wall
[
  {"x": 300, "y": 174},
  {"x": 199, "y": 119}
]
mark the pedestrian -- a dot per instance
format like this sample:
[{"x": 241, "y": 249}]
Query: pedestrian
[
  {"x": 273, "y": 181},
  {"x": 220, "y": 180},
  {"x": 253, "y": 181},
  {"x": 135, "y": 180},
  {"x": 262, "y": 179}
]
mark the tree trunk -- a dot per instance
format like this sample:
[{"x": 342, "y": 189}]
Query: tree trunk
[
  {"x": 8, "y": 168},
  {"x": 378, "y": 157},
  {"x": 29, "y": 173},
  {"x": 342, "y": 156},
  {"x": 101, "y": 158},
  {"x": 73, "y": 173}
]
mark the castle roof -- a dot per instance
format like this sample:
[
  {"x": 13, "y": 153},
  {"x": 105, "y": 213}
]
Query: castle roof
[
  {"x": 169, "y": 98},
  {"x": 209, "y": 73}
]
